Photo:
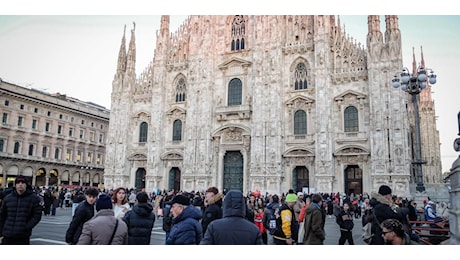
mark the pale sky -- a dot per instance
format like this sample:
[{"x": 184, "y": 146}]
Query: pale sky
[{"x": 77, "y": 55}]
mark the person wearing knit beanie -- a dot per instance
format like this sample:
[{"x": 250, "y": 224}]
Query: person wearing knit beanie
[
  {"x": 288, "y": 228},
  {"x": 104, "y": 202},
  {"x": 291, "y": 197},
  {"x": 384, "y": 190}
]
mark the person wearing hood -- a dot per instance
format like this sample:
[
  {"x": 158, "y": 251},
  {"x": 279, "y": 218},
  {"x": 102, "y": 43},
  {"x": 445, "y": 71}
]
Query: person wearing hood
[
  {"x": 382, "y": 204},
  {"x": 233, "y": 228},
  {"x": 186, "y": 228},
  {"x": 213, "y": 207},
  {"x": 140, "y": 221},
  {"x": 20, "y": 212}
]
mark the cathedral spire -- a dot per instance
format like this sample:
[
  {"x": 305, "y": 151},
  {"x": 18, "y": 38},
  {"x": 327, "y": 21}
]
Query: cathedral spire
[
  {"x": 373, "y": 24},
  {"x": 414, "y": 63},
  {"x": 393, "y": 37},
  {"x": 338, "y": 24},
  {"x": 121, "y": 66},
  {"x": 163, "y": 39},
  {"x": 374, "y": 37},
  {"x": 423, "y": 60},
  {"x": 426, "y": 100},
  {"x": 131, "y": 60},
  {"x": 164, "y": 27}
]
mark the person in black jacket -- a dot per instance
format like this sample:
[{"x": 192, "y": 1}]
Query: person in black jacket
[
  {"x": 83, "y": 213},
  {"x": 140, "y": 221},
  {"x": 213, "y": 207},
  {"x": 167, "y": 216},
  {"x": 384, "y": 208},
  {"x": 345, "y": 221},
  {"x": 20, "y": 212},
  {"x": 47, "y": 202},
  {"x": 232, "y": 228}
]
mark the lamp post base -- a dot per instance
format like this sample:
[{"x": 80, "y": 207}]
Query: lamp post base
[{"x": 420, "y": 188}]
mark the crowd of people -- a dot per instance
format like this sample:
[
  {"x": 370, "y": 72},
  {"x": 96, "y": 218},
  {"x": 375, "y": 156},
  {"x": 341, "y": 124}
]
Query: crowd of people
[{"x": 126, "y": 216}]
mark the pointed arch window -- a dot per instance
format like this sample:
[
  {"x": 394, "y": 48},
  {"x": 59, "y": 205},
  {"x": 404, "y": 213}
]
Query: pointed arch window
[
  {"x": 300, "y": 77},
  {"x": 177, "y": 130},
  {"x": 235, "y": 92},
  {"x": 143, "y": 129},
  {"x": 351, "y": 119},
  {"x": 180, "y": 90},
  {"x": 300, "y": 122},
  {"x": 238, "y": 33}
]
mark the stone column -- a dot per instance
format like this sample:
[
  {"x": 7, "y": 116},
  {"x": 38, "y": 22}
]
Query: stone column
[{"x": 454, "y": 194}]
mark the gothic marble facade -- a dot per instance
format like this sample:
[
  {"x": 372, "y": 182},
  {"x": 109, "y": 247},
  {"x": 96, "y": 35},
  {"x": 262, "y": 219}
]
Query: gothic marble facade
[{"x": 263, "y": 103}]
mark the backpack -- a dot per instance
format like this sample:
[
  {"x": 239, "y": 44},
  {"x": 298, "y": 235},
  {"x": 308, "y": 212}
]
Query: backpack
[
  {"x": 367, "y": 233},
  {"x": 371, "y": 225},
  {"x": 271, "y": 222}
]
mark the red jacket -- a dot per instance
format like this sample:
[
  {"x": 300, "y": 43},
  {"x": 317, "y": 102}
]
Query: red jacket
[{"x": 258, "y": 221}]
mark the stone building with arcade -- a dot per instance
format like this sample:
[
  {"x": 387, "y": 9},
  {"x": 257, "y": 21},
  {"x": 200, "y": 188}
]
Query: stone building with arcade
[{"x": 52, "y": 139}]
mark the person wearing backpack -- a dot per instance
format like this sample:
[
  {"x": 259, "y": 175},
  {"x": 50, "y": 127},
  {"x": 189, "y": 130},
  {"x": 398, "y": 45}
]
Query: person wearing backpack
[
  {"x": 287, "y": 227},
  {"x": 269, "y": 218}
]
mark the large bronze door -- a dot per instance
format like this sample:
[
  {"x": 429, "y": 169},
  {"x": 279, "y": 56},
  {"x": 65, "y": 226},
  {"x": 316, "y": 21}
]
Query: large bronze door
[
  {"x": 140, "y": 179},
  {"x": 300, "y": 178},
  {"x": 233, "y": 171},
  {"x": 174, "y": 179},
  {"x": 353, "y": 180}
]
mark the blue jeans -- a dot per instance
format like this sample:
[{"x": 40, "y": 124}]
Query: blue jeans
[{"x": 74, "y": 207}]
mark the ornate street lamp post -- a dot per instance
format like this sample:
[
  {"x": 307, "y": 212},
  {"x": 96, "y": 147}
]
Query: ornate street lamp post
[{"x": 413, "y": 84}]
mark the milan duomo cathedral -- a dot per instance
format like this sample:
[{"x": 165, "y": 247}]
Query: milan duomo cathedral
[{"x": 268, "y": 103}]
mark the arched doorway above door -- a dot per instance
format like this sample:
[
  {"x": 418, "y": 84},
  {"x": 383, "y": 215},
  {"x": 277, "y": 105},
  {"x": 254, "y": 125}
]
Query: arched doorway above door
[
  {"x": 40, "y": 177},
  {"x": 53, "y": 177}
]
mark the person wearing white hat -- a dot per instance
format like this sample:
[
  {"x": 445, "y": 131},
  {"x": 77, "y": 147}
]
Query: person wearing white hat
[
  {"x": 430, "y": 214},
  {"x": 298, "y": 204}
]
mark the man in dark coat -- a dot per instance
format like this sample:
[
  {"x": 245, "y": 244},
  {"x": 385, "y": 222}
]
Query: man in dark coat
[
  {"x": 83, "y": 213},
  {"x": 20, "y": 212},
  {"x": 233, "y": 228},
  {"x": 140, "y": 221},
  {"x": 315, "y": 219},
  {"x": 186, "y": 228},
  {"x": 384, "y": 208},
  {"x": 213, "y": 207}
]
